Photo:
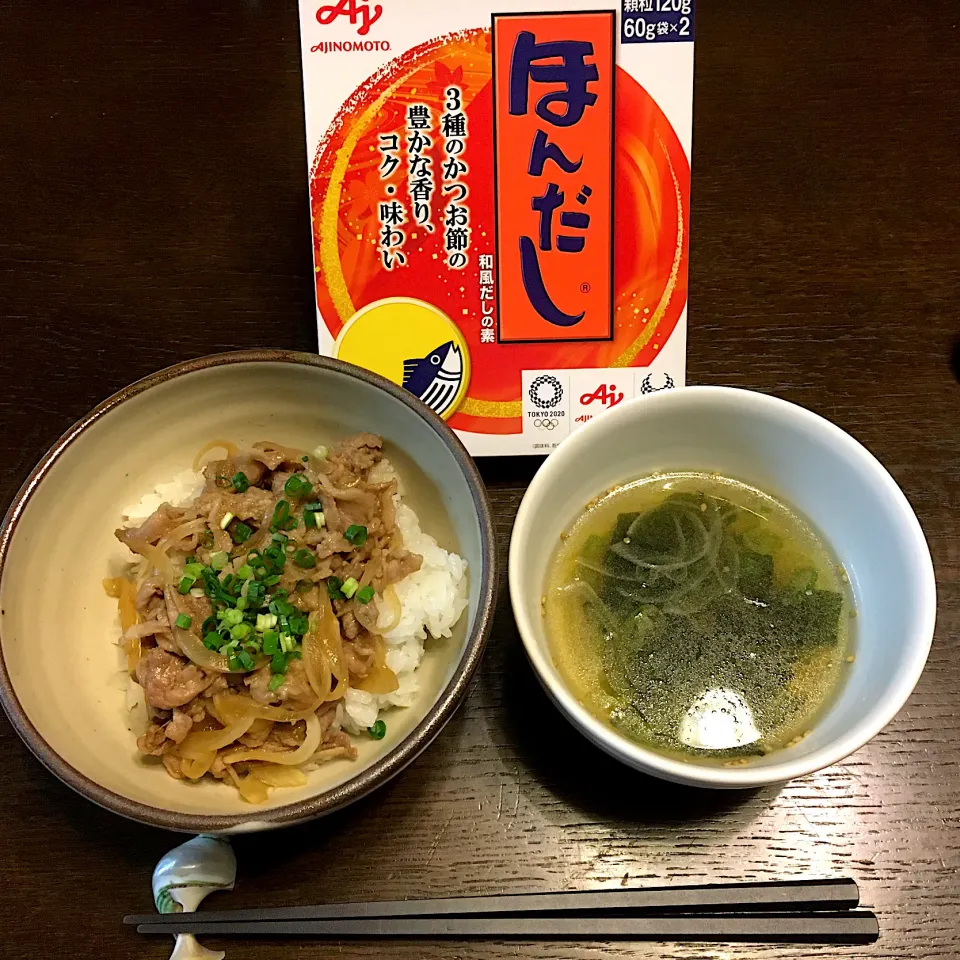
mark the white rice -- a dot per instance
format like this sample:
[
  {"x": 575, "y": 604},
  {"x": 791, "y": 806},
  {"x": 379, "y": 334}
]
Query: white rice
[
  {"x": 431, "y": 599},
  {"x": 183, "y": 488}
]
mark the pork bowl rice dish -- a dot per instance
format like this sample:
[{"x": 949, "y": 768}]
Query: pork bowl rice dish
[{"x": 277, "y": 604}]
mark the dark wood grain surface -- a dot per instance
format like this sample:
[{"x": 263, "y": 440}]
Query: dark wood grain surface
[{"x": 153, "y": 208}]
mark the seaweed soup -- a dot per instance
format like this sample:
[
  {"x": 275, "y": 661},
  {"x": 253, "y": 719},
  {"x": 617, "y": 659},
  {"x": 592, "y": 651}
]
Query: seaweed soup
[{"x": 699, "y": 617}]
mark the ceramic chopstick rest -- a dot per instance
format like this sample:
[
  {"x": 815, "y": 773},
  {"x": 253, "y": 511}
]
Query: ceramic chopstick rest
[{"x": 186, "y": 875}]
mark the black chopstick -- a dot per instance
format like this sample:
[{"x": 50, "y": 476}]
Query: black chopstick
[
  {"x": 809, "y": 927},
  {"x": 839, "y": 894}
]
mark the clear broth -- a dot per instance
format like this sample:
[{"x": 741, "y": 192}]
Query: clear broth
[{"x": 720, "y": 657}]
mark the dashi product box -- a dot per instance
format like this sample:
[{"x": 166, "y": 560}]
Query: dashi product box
[{"x": 500, "y": 198}]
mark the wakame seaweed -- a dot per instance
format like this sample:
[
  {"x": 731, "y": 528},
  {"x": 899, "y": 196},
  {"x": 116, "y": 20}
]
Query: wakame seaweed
[{"x": 683, "y": 603}]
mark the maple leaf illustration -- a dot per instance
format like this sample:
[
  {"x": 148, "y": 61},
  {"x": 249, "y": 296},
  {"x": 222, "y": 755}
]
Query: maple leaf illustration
[
  {"x": 445, "y": 77},
  {"x": 364, "y": 195}
]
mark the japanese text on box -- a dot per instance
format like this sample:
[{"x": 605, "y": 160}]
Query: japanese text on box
[{"x": 553, "y": 144}]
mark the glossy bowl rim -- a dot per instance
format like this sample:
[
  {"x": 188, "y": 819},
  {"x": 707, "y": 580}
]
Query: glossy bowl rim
[
  {"x": 388, "y": 766},
  {"x": 918, "y": 642}
]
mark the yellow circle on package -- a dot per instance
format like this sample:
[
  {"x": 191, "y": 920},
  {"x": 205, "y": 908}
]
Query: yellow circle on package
[{"x": 413, "y": 344}]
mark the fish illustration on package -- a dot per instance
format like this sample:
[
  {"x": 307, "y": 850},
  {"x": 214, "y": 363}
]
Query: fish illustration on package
[{"x": 435, "y": 378}]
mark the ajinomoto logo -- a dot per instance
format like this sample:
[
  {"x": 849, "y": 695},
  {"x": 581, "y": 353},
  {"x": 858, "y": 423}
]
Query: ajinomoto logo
[
  {"x": 362, "y": 13},
  {"x": 553, "y": 151}
]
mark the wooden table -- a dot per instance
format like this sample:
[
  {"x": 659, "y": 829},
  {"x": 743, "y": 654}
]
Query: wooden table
[{"x": 153, "y": 208}]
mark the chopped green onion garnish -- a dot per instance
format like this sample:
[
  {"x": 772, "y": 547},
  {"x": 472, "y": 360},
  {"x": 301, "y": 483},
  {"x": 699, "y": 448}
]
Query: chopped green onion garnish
[
  {"x": 233, "y": 617},
  {"x": 183, "y": 621},
  {"x": 246, "y": 661},
  {"x": 281, "y": 513},
  {"x": 245, "y": 572},
  {"x": 218, "y": 560},
  {"x": 276, "y": 681},
  {"x": 209, "y": 624},
  {"x": 212, "y": 640},
  {"x": 290, "y": 524},
  {"x": 275, "y": 555},
  {"x": 335, "y": 588},
  {"x": 271, "y": 642},
  {"x": 312, "y": 519},
  {"x": 365, "y": 594},
  {"x": 349, "y": 587},
  {"x": 234, "y": 663},
  {"x": 321, "y": 452},
  {"x": 186, "y": 583},
  {"x": 304, "y": 586},
  {"x": 255, "y": 594},
  {"x": 241, "y": 533},
  {"x": 297, "y": 486},
  {"x": 305, "y": 458},
  {"x": 279, "y": 663},
  {"x": 304, "y": 558},
  {"x": 241, "y": 631},
  {"x": 356, "y": 534},
  {"x": 271, "y": 580},
  {"x": 225, "y": 522},
  {"x": 266, "y": 621},
  {"x": 222, "y": 481},
  {"x": 240, "y": 482},
  {"x": 242, "y": 603},
  {"x": 298, "y": 625},
  {"x": 378, "y": 731},
  {"x": 287, "y": 643},
  {"x": 194, "y": 570}
]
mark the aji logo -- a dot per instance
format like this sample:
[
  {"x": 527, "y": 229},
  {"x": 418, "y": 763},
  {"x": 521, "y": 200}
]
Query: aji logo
[
  {"x": 413, "y": 344},
  {"x": 354, "y": 10},
  {"x": 436, "y": 378}
]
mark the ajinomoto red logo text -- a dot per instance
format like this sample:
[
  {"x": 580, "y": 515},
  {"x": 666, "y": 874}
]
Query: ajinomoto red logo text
[
  {"x": 362, "y": 13},
  {"x": 553, "y": 146},
  {"x": 609, "y": 396}
]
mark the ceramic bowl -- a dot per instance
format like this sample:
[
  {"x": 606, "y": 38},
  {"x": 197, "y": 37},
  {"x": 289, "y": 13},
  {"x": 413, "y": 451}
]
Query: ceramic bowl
[
  {"x": 813, "y": 466},
  {"x": 59, "y": 679}
]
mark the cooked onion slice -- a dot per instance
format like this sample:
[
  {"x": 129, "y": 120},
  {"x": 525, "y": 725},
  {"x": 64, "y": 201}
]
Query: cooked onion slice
[
  {"x": 125, "y": 593},
  {"x": 381, "y": 679},
  {"x": 275, "y": 775},
  {"x": 251, "y": 789},
  {"x": 157, "y": 559},
  {"x": 390, "y": 610},
  {"x": 195, "y": 769},
  {"x": 231, "y": 450},
  {"x": 231, "y": 706},
  {"x": 302, "y": 754},
  {"x": 323, "y": 653},
  {"x": 197, "y": 745},
  {"x": 188, "y": 529}
]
